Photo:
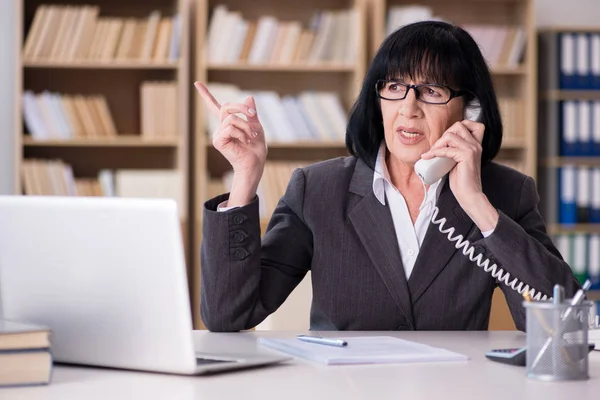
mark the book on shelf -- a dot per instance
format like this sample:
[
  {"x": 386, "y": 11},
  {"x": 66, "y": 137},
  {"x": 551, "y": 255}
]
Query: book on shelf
[
  {"x": 501, "y": 44},
  {"x": 68, "y": 33},
  {"x": 512, "y": 113},
  {"x": 271, "y": 187},
  {"x": 158, "y": 109},
  {"x": 309, "y": 116},
  {"x": 330, "y": 37},
  {"x": 49, "y": 115},
  {"x": 25, "y": 354},
  {"x": 54, "y": 177}
]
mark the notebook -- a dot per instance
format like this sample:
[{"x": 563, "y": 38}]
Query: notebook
[{"x": 363, "y": 350}]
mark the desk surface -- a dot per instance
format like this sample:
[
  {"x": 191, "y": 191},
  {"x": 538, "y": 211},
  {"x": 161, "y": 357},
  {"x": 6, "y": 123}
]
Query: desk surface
[{"x": 477, "y": 378}]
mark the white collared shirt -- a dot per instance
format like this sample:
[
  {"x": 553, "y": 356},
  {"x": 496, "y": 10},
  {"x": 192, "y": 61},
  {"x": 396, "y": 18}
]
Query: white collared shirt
[{"x": 410, "y": 237}]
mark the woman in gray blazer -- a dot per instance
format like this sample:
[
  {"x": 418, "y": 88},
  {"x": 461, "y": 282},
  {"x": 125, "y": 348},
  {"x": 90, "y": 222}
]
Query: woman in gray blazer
[{"x": 375, "y": 237}]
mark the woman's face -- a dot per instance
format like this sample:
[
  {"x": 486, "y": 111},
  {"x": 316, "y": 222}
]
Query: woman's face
[{"x": 411, "y": 127}]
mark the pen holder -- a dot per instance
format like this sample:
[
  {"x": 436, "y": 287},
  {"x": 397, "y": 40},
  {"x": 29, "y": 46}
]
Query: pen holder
[{"x": 557, "y": 340}]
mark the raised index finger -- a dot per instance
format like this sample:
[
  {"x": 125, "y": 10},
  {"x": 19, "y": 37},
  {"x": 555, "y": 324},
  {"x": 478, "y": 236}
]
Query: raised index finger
[{"x": 211, "y": 102}]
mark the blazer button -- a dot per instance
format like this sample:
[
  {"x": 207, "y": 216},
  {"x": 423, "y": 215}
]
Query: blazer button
[
  {"x": 239, "y": 254},
  {"x": 238, "y": 219},
  {"x": 402, "y": 327},
  {"x": 238, "y": 237}
]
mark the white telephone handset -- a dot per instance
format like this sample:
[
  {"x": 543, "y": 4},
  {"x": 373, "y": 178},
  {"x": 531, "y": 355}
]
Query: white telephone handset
[{"x": 430, "y": 171}]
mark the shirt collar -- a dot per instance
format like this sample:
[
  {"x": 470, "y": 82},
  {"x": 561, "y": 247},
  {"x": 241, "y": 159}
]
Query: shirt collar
[{"x": 381, "y": 177}]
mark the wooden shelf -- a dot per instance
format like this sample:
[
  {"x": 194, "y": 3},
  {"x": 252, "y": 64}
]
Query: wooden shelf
[
  {"x": 557, "y": 95},
  {"x": 300, "y": 145},
  {"x": 573, "y": 228},
  {"x": 100, "y": 64},
  {"x": 282, "y": 67},
  {"x": 567, "y": 28},
  {"x": 119, "y": 141},
  {"x": 581, "y": 161},
  {"x": 505, "y": 70},
  {"x": 593, "y": 295},
  {"x": 513, "y": 143}
]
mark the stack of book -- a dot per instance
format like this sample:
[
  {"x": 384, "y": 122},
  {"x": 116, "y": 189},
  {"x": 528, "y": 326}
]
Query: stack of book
[
  {"x": 331, "y": 38},
  {"x": 25, "y": 357},
  {"x": 310, "y": 116},
  {"x": 501, "y": 45},
  {"x": 51, "y": 115},
  {"x": 54, "y": 177},
  {"x": 77, "y": 33}
]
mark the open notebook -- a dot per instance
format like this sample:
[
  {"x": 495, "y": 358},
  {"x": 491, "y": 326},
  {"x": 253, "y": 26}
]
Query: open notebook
[{"x": 363, "y": 350}]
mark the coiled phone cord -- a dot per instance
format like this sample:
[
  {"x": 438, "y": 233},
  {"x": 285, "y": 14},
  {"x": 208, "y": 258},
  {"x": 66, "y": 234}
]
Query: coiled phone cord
[{"x": 498, "y": 273}]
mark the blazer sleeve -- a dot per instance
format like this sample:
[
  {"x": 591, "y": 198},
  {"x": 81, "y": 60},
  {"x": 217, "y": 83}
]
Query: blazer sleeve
[
  {"x": 242, "y": 279},
  {"x": 521, "y": 247}
]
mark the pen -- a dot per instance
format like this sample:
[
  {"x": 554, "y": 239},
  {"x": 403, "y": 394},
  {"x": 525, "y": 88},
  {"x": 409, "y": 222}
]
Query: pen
[{"x": 324, "y": 341}]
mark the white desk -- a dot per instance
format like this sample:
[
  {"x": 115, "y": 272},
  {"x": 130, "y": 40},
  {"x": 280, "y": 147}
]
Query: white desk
[{"x": 478, "y": 378}]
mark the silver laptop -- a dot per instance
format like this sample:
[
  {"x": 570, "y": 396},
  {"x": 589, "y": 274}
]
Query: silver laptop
[{"x": 108, "y": 276}]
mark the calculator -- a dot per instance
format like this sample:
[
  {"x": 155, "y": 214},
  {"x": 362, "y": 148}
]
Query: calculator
[{"x": 514, "y": 356}]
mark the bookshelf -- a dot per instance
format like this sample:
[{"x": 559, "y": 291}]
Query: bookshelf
[
  {"x": 569, "y": 103},
  {"x": 103, "y": 97},
  {"x": 289, "y": 69}
]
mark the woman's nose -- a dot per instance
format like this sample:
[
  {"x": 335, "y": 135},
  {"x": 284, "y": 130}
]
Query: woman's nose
[{"x": 409, "y": 107}]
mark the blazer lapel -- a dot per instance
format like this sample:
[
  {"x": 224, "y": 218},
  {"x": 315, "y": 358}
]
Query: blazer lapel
[
  {"x": 374, "y": 226},
  {"x": 437, "y": 250}
]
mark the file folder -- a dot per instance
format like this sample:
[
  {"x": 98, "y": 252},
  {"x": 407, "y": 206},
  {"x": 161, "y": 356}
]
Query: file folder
[{"x": 567, "y": 203}]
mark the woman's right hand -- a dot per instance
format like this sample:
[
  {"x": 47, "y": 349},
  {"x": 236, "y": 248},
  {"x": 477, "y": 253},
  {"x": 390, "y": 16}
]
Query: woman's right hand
[{"x": 242, "y": 143}]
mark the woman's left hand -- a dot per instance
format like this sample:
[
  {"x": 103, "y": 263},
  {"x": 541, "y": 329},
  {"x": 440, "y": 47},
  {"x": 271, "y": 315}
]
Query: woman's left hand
[{"x": 462, "y": 143}]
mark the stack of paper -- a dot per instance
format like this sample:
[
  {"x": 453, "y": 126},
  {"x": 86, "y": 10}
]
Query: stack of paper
[{"x": 364, "y": 350}]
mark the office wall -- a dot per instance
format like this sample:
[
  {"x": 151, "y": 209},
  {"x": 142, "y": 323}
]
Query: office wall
[
  {"x": 571, "y": 13},
  {"x": 8, "y": 12}
]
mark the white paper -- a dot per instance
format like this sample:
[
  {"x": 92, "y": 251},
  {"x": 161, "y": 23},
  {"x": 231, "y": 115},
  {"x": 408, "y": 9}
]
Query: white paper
[{"x": 364, "y": 350}]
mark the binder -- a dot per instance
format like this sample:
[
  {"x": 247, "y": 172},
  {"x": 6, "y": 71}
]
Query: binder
[
  {"x": 582, "y": 68},
  {"x": 594, "y": 260},
  {"x": 567, "y": 205},
  {"x": 563, "y": 244},
  {"x": 595, "y": 196},
  {"x": 595, "y": 60},
  {"x": 579, "y": 267},
  {"x": 584, "y": 129},
  {"x": 569, "y": 135},
  {"x": 583, "y": 195},
  {"x": 595, "y": 151},
  {"x": 567, "y": 61}
]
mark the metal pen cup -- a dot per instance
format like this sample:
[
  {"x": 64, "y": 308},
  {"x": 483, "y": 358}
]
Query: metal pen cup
[{"x": 557, "y": 340}]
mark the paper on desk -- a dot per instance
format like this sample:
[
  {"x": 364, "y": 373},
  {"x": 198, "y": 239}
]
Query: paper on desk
[{"x": 364, "y": 350}]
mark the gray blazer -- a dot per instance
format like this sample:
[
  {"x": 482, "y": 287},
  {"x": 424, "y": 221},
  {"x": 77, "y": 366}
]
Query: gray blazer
[{"x": 330, "y": 222}]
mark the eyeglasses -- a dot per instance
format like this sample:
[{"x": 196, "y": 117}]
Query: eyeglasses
[{"x": 429, "y": 93}]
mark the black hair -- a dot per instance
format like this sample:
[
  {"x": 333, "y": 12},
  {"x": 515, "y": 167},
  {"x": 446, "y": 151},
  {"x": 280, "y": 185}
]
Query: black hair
[{"x": 437, "y": 52}]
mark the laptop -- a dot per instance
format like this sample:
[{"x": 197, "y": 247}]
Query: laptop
[{"x": 107, "y": 275}]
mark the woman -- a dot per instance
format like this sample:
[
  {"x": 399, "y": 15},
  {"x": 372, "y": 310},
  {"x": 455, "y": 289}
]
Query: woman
[{"x": 362, "y": 224}]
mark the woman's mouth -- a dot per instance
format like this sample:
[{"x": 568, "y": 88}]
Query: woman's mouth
[{"x": 409, "y": 136}]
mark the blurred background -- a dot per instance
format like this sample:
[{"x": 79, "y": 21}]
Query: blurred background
[{"x": 97, "y": 99}]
